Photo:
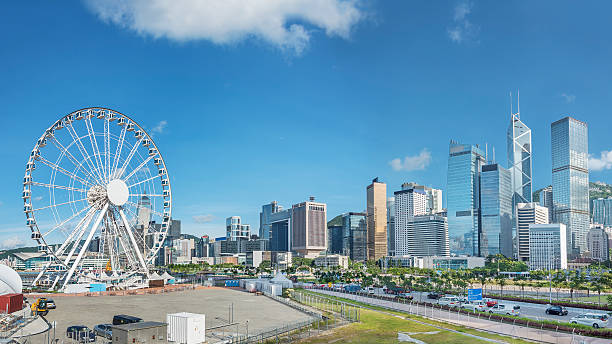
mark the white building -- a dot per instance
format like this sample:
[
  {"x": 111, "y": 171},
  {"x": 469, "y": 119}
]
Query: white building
[
  {"x": 434, "y": 197},
  {"x": 236, "y": 230},
  {"x": 597, "y": 242},
  {"x": 183, "y": 249},
  {"x": 547, "y": 246},
  {"x": 332, "y": 260},
  {"x": 528, "y": 214},
  {"x": 424, "y": 235}
]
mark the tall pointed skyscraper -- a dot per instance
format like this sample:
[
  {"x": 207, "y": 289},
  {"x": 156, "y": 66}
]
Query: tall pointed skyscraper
[{"x": 519, "y": 163}]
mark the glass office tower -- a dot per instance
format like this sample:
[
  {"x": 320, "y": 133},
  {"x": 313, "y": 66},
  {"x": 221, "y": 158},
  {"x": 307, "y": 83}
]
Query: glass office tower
[
  {"x": 570, "y": 177},
  {"x": 496, "y": 211},
  {"x": 602, "y": 211},
  {"x": 463, "y": 198},
  {"x": 355, "y": 236}
]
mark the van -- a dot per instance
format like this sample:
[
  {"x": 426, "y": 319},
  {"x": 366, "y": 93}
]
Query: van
[
  {"x": 506, "y": 308},
  {"x": 121, "y": 319}
]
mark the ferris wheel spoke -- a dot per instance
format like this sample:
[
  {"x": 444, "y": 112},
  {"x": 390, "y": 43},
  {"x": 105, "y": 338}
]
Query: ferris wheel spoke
[
  {"x": 86, "y": 243},
  {"x": 58, "y": 187},
  {"x": 136, "y": 206},
  {"x": 144, "y": 181},
  {"x": 57, "y": 205},
  {"x": 118, "y": 150},
  {"x": 142, "y": 164},
  {"x": 106, "y": 147},
  {"x": 145, "y": 194},
  {"x": 78, "y": 232},
  {"x": 129, "y": 158},
  {"x": 71, "y": 157},
  {"x": 127, "y": 247},
  {"x": 64, "y": 222},
  {"x": 83, "y": 151},
  {"x": 128, "y": 228},
  {"x": 95, "y": 148},
  {"x": 64, "y": 171}
]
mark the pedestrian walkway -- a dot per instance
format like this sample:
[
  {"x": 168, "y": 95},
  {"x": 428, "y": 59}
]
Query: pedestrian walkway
[{"x": 479, "y": 321}]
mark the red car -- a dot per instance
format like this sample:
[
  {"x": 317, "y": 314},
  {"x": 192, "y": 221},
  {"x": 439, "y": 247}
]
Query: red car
[{"x": 491, "y": 303}]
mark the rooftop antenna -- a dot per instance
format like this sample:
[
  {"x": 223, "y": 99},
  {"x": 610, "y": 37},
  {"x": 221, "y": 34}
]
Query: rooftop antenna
[
  {"x": 518, "y": 103},
  {"x": 487, "y": 152},
  {"x": 493, "y": 154},
  {"x": 511, "y": 112}
]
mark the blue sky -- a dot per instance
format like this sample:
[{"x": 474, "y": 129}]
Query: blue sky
[{"x": 280, "y": 100}]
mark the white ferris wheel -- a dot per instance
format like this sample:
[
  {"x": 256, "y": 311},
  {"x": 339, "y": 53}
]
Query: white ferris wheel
[{"x": 97, "y": 197}]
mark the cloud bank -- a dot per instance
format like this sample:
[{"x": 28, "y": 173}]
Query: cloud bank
[
  {"x": 412, "y": 163},
  {"x": 203, "y": 218},
  {"x": 11, "y": 242},
  {"x": 569, "y": 98},
  {"x": 604, "y": 162},
  {"x": 286, "y": 24}
]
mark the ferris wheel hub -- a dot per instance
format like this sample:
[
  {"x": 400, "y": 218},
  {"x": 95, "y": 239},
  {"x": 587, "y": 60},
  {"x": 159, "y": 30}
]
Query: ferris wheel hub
[
  {"x": 117, "y": 192},
  {"x": 96, "y": 195}
]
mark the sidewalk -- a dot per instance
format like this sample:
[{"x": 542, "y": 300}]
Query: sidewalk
[{"x": 479, "y": 321}]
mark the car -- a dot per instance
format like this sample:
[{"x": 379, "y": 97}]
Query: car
[
  {"x": 556, "y": 310},
  {"x": 121, "y": 319},
  {"x": 491, "y": 303},
  {"x": 451, "y": 301},
  {"x": 434, "y": 296},
  {"x": 475, "y": 306},
  {"x": 50, "y": 304},
  {"x": 591, "y": 319},
  {"x": 81, "y": 334},
  {"x": 369, "y": 290},
  {"x": 104, "y": 330},
  {"x": 406, "y": 296},
  {"x": 506, "y": 309}
]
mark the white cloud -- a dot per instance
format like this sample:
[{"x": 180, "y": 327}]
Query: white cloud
[
  {"x": 462, "y": 28},
  {"x": 203, "y": 218},
  {"x": 412, "y": 163},
  {"x": 159, "y": 128},
  {"x": 38, "y": 198},
  {"x": 11, "y": 242},
  {"x": 569, "y": 98},
  {"x": 604, "y": 162},
  {"x": 281, "y": 23}
]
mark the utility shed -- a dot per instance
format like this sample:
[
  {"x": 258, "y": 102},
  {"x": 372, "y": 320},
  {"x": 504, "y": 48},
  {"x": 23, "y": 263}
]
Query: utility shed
[{"x": 149, "y": 332}]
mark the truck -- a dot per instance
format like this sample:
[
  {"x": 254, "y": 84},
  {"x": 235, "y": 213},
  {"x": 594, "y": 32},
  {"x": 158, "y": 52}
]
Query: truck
[{"x": 40, "y": 307}]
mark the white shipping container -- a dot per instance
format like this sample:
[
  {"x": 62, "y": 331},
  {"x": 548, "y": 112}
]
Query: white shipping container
[{"x": 186, "y": 328}]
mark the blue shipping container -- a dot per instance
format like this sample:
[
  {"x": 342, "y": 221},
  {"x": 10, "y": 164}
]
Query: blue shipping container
[
  {"x": 232, "y": 283},
  {"x": 95, "y": 287}
]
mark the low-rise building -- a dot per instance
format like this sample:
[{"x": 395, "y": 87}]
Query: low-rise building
[
  {"x": 332, "y": 260},
  {"x": 140, "y": 332},
  {"x": 255, "y": 258}
]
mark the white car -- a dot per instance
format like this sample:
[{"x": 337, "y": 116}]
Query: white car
[
  {"x": 474, "y": 306},
  {"x": 506, "y": 308},
  {"x": 591, "y": 319},
  {"x": 451, "y": 301},
  {"x": 369, "y": 290}
]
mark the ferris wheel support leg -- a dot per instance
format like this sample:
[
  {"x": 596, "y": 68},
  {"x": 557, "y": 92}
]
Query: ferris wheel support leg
[
  {"x": 42, "y": 271},
  {"x": 81, "y": 231},
  {"x": 128, "y": 229},
  {"x": 86, "y": 244}
]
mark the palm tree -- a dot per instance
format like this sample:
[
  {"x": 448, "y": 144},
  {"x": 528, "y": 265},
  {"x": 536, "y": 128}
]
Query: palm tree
[
  {"x": 483, "y": 282},
  {"x": 501, "y": 280},
  {"x": 599, "y": 284},
  {"x": 521, "y": 284}
]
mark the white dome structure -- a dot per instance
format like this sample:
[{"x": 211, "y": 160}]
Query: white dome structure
[{"x": 10, "y": 281}]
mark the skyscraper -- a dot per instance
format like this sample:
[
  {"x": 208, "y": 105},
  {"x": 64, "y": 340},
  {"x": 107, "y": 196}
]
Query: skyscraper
[
  {"x": 354, "y": 236},
  {"x": 144, "y": 212},
  {"x": 280, "y": 229},
  {"x": 528, "y": 214},
  {"x": 570, "y": 180},
  {"x": 391, "y": 226},
  {"x": 496, "y": 211},
  {"x": 264, "y": 218},
  {"x": 463, "y": 197},
  {"x": 309, "y": 228},
  {"x": 236, "y": 230},
  {"x": 602, "y": 211},
  {"x": 434, "y": 196},
  {"x": 546, "y": 200},
  {"x": 377, "y": 219},
  {"x": 519, "y": 160},
  {"x": 422, "y": 235}
]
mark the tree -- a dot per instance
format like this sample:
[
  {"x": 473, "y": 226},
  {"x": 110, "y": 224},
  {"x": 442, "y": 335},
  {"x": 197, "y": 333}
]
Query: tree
[
  {"x": 483, "y": 279},
  {"x": 599, "y": 283},
  {"x": 501, "y": 280},
  {"x": 576, "y": 282}
]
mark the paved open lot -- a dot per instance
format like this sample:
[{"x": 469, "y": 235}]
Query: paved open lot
[{"x": 260, "y": 311}]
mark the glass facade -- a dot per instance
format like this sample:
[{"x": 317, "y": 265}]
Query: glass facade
[
  {"x": 519, "y": 160},
  {"x": 354, "y": 236},
  {"x": 602, "y": 211},
  {"x": 391, "y": 226},
  {"x": 570, "y": 179},
  {"x": 496, "y": 211},
  {"x": 334, "y": 239},
  {"x": 265, "y": 224},
  {"x": 463, "y": 201}
]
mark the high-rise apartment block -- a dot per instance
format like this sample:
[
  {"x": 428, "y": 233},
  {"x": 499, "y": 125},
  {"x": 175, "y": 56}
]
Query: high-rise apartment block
[
  {"x": 547, "y": 247},
  {"x": 236, "y": 230},
  {"x": 355, "y": 236},
  {"x": 528, "y": 214},
  {"x": 309, "y": 228},
  {"x": 422, "y": 235},
  {"x": 376, "y": 219},
  {"x": 546, "y": 200},
  {"x": 570, "y": 180},
  {"x": 496, "y": 211},
  {"x": 463, "y": 197},
  {"x": 602, "y": 211},
  {"x": 265, "y": 226}
]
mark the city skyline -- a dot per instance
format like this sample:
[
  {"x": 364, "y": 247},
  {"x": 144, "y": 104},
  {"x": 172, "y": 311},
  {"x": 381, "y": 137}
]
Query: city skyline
[{"x": 191, "y": 93}]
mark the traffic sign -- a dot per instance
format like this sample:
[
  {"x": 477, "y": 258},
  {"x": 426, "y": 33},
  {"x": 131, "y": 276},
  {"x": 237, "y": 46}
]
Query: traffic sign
[{"x": 474, "y": 294}]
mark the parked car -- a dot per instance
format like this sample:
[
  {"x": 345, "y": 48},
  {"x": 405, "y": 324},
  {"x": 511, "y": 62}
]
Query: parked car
[
  {"x": 104, "y": 330},
  {"x": 121, "y": 319},
  {"x": 434, "y": 296},
  {"x": 475, "y": 306},
  {"x": 591, "y": 319},
  {"x": 80, "y": 333},
  {"x": 556, "y": 310},
  {"x": 506, "y": 308},
  {"x": 50, "y": 304},
  {"x": 369, "y": 290},
  {"x": 451, "y": 301},
  {"x": 406, "y": 296}
]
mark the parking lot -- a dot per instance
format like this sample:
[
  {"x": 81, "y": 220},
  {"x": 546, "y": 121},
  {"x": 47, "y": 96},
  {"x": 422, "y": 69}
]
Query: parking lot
[{"x": 260, "y": 311}]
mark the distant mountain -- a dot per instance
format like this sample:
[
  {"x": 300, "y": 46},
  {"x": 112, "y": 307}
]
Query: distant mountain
[{"x": 596, "y": 190}]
